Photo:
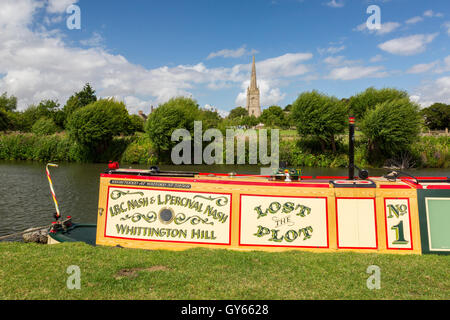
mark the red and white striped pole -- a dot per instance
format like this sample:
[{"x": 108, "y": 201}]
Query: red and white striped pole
[
  {"x": 351, "y": 148},
  {"x": 51, "y": 188}
]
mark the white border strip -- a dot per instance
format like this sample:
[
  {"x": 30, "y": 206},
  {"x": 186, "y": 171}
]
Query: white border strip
[{"x": 428, "y": 223}]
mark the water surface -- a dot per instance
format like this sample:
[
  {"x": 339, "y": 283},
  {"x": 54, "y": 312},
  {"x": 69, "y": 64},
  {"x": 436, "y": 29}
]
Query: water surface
[{"x": 25, "y": 199}]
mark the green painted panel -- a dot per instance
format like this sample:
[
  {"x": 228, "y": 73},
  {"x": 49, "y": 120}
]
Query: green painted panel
[{"x": 439, "y": 223}]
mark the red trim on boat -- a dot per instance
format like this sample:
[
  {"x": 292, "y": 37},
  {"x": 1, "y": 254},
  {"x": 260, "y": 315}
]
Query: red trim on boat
[
  {"x": 396, "y": 186},
  {"x": 331, "y": 177},
  {"x": 249, "y": 183},
  {"x": 412, "y": 184},
  {"x": 438, "y": 187}
]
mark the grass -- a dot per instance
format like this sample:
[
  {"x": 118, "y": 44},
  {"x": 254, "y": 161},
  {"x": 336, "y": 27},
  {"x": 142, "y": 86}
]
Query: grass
[{"x": 32, "y": 271}]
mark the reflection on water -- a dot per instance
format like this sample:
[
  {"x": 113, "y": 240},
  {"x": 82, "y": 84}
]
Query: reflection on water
[{"x": 25, "y": 199}]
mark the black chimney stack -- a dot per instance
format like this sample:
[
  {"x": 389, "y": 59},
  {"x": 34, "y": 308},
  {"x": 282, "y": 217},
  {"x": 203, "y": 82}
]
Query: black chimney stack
[{"x": 351, "y": 148}]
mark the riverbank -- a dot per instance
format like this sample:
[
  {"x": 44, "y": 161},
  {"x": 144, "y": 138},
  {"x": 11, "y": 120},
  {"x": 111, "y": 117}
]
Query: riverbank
[
  {"x": 431, "y": 151},
  {"x": 119, "y": 273}
]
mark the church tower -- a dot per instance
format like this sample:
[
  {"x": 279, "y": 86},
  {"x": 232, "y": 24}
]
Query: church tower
[{"x": 253, "y": 105}]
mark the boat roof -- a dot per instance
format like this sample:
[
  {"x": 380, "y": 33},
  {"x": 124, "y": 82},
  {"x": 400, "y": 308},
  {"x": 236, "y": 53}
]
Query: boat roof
[{"x": 278, "y": 180}]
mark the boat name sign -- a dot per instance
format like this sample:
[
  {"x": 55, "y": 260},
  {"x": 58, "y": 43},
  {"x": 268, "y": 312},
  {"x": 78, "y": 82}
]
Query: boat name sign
[{"x": 168, "y": 215}]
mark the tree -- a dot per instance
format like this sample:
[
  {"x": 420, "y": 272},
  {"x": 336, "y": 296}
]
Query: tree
[
  {"x": 44, "y": 126},
  {"x": 8, "y": 103},
  {"x": 79, "y": 100},
  {"x": 274, "y": 116},
  {"x": 93, "y": 126},
  {"x": 136, "y": 124},
  {"x": 319, "y": 116},
  {"x": 177, "y": 113},
  {"x": 368, "y": 99},
  {"x": 437, "y": 116},
  {"x": 7, "y": 106},
  {"x": 210, "y": 119},
  {"x": 4, "y": 121},
  {"x": 390, "y": 128},
  {"x": 248, "y": 121},
  {"x": 45, "y": 109},
  {"x": 238, "y": 112}
]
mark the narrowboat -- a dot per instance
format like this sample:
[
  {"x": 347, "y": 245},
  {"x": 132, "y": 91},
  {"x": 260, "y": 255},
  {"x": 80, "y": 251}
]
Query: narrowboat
[{"x": 154, "y": 209}]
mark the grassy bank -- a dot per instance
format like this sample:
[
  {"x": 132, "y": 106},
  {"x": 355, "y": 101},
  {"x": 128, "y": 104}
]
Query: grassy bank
[{"x": 31, "y": 271}]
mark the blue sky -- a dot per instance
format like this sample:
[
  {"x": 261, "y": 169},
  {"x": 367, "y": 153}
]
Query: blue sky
[{"x": 144, "y": 52}]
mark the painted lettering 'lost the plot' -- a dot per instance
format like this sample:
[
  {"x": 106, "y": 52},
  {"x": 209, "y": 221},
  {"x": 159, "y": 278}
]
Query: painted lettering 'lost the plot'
[{"x": 283, "y": 221}]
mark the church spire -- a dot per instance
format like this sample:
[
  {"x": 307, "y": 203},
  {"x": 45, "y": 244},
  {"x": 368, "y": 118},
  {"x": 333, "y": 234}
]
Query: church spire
[
  {"x": 253, "y": 106},
  {"x": 253, "y": 84}
]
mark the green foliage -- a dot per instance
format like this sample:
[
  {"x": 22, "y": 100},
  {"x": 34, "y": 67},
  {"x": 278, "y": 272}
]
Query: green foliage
[
  {"x": 140, "y": 151},
  {"x": 177, "y": 113},
  {"x": 210, "y": 119},
  {"x": 95, "y": 125},
  {"x": 248, "y": 121},
  {"x": 432, "y": 152},
  {"x": 238, "y": 112},
  {"x": 24, "y": 121},
  {"x": 437, "y": 116},
  {"x": 27, "y": 146},
  {"x": 316, "y": 114},
  {"x": 57, "y": 147},
  {"x": 79, "y": 100},
  {"x": 136, "y": 124},
  {"x": 8, "y": 103},
  {"x": 391, "y": 128},
  {"x": 274, "y": 116},
  {"x": 367, "y": 100},
  {"x": 4, "y": 121},
  {"x": 44, "y": 126}
]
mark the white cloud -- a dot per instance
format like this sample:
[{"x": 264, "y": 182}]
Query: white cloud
[
  {"x": 37, "y": 65},
  {"x": 437, "y": 66},
  {"x": 376, "y": 58},
  {"x": 270, "y": 73},
  {"x": 95, "y": 40},
  {"x": 339, "y": 61},
  {"x": 59, "y": 6},
  {"x": 431, "y": 14},
  {"x": 414, "y": 20},
  {"x": 356, "y": 72},
  {"x": 385, "y": 28},
  {"x": 433, "y": 91},
  {"x": 229, "y": 53},
  {"x": 407, "y": 46},
  {"x": 446, "y": 25},
  {"x": 336, "y": 3},
  {"x": 331, "y": 50},
  {"x": 287, "y": 65},
  {"x": 422, "y": 67},
  {"x": 268, "y": 94},
  {"x": 16, "y": 14}
]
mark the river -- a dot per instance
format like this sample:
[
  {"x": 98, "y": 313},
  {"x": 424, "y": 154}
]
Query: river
[{"x": 25, "y": 199}]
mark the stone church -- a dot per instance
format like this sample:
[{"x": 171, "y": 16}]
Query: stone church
[{"x": 253, "y": 104}]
